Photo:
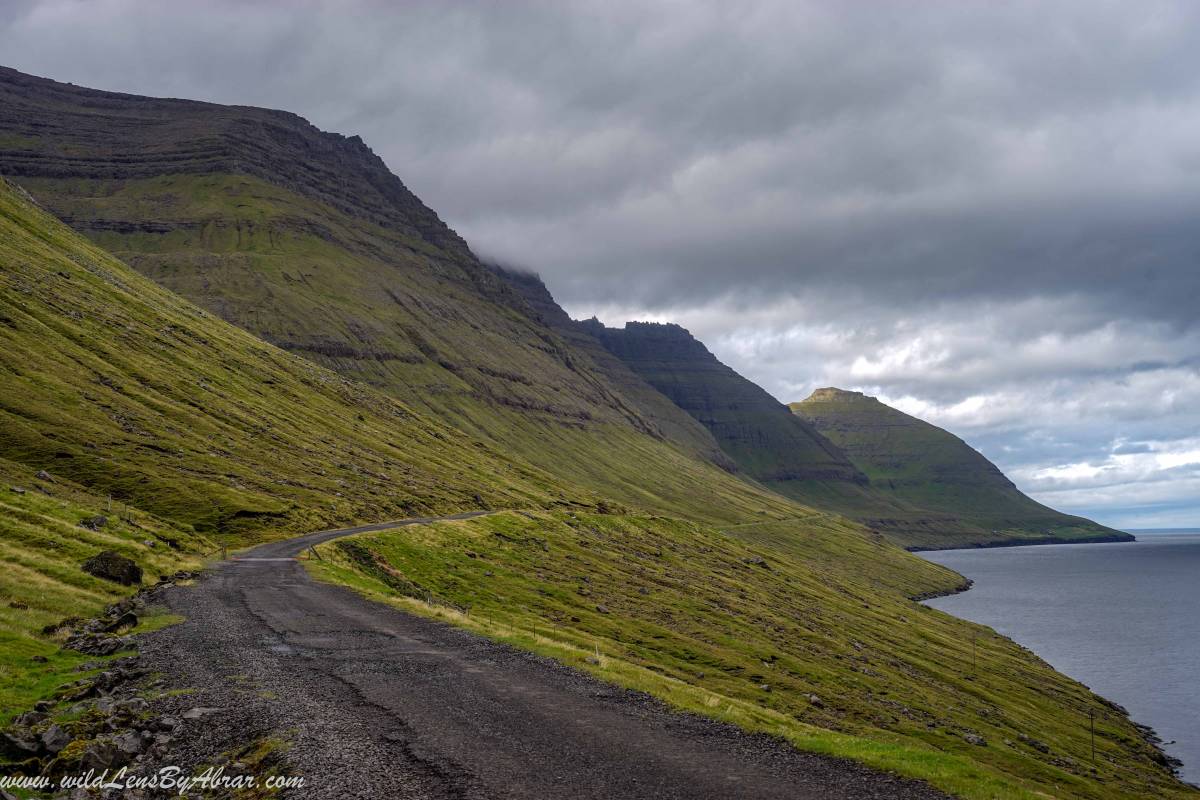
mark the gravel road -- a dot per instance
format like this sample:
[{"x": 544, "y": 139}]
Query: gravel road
[{"x": 383, "y": 705}]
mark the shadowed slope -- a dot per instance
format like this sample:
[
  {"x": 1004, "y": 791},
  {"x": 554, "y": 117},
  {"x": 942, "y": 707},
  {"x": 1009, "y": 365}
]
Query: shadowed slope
[{"x": 753, "y": 428}]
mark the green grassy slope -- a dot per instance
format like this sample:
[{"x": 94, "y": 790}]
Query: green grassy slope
[
  {"x": 745, "y": 623},
  {"x": 930, "y": 468},
  {"x": 306, "y": 239},
  {"x": 42, "y": 545},
  {"x": 122, "y": 386},
  {"x": 763, "y": 439}
]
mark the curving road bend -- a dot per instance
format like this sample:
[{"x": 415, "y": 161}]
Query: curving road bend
[{"x": 383, "y": 705}]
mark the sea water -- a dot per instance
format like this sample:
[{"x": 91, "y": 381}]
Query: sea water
[{"x": 1122, "y": 618}]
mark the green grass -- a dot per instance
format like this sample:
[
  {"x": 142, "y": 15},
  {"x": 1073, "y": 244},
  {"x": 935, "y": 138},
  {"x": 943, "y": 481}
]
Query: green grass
[
  {"x": 690, "y": 614},
  {"x": 944, "y": 492},
  {"x": 43, "y": 546},
  {"x": 117, "y": 384},
  {"x": 448, "y": 340}
]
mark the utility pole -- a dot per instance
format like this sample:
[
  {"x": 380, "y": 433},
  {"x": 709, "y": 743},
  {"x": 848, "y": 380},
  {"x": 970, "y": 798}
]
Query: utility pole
[{"x": 1092, "y": 721}]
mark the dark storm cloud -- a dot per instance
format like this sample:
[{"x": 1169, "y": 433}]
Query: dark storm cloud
[{"x": 985, "y": 212}]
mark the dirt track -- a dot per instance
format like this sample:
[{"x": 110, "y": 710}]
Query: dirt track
[{"x": 381, "y": 704}]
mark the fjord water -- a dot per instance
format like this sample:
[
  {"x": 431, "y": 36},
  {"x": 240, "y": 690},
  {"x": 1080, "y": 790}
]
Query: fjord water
[{"x": 1122, "y": 618}]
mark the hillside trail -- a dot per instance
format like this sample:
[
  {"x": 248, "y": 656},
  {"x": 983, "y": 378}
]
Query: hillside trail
[{"x": 376, "y": 703}]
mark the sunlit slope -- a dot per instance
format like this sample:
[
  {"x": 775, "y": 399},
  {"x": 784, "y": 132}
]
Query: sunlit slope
[
  {"x": 119, "y": 385},
  {"x": 925, "y": 466},
  {"x": 305, "y": 239},
  {"x": 810, "y": 637},
  {"x": 42, "y": 545}
]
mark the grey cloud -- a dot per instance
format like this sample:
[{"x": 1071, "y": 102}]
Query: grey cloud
[{"x": 984, "y": 211}]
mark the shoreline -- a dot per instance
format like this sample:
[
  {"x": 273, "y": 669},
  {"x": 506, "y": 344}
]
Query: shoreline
[
  {"x": 1121, "y": 538},
  {"x": 1147, "y": 733}
]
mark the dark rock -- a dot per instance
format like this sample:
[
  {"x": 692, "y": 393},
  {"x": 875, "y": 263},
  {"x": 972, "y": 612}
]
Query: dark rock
[
  {"x": 29, "y": 719},
  {"x": 94, "y": 523},
  {"x": 101, "y": 755},
  {"x": 602, "y": 609},
  {"x": 14, "y": 747},
  {"x": 1040, "y": 746},
  {"x": 167, "y": 723},
  {"x": 134, "y": 705},
  {"x": 54, "y": 739},
  {"x": 131, "y": 743},
  {"x": 815, "y": 701},
  {"x": 42, "y": 475},
  {"x": 113, "y": 566},
  {"x": 975, "y": 739},
  {"x": 39, "y": 659},
  {"x": 43, "y": 706},
  {"x": 70, "y": 623},
  {"x": 126, "y": 620},
  {"x": 95, "y": 644}
]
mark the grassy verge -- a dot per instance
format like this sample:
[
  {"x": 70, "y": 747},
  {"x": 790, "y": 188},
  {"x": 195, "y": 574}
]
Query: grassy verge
[
  {"x": 743, "y": 626},
  {"x": 43, "y": 545}
]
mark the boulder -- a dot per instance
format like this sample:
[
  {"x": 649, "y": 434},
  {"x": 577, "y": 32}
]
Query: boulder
[
  {"x": 94, "y": 523},
  {"x": 16, "y": 747},
  {"x": 100, "y": 755},
  {"x": 131, "y": 743},
  {"x": 126, "y": 620},
  {"x": 29, "y": 718},
  {"x": 54, "y": 739},
  {"x": 112, "y": 566}
]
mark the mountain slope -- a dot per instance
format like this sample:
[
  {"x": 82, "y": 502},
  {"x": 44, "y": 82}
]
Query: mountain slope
[
  {"x": 117, "y": 384},
  {"x": 305, "y": 239},
  {"x": 930, "y": 468},
  {"x": 755, "y": 430},
  {"x": 208, "y": 432}
]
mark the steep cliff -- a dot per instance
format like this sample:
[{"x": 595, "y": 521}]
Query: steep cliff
[{"x": 758, "y": 432}]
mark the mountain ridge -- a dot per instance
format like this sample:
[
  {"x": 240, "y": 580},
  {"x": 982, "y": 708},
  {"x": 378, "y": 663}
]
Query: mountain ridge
[{"x": 929, "y": 467}]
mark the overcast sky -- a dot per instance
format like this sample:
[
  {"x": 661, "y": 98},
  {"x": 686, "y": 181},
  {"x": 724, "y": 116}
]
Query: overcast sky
[{"x": 984, "y": 213}]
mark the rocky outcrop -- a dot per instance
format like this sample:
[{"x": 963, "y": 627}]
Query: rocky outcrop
[
  {"x": 58, "y": 130},
  {"x": 112, "y": 566}
]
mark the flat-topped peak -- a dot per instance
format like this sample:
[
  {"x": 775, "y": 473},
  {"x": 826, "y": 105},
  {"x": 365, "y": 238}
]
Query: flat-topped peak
[{"x": 829, "y": 394}]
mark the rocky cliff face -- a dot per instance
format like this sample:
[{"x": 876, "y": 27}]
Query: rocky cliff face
[
  {"x": 754, "y": 429},
  {"x": 57, "y": 130}
]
